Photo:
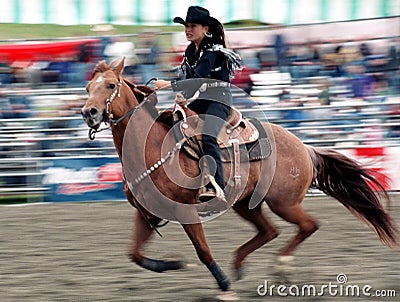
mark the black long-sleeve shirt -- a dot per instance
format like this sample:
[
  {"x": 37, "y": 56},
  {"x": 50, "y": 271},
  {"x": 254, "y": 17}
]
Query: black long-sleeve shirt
[{"x": 205, "y": 65}]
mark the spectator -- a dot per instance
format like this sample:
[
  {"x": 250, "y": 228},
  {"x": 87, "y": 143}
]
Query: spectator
[
  {"x": 5, "y": 70},
  {"x": 122, "y": 47},
  {"x": 393, "y": 71},
  {"x": 306, "y": 62},
  {"x": 361, "y": 83},
  {"x": 394, "y": 131},
  {"x": 150, "y": 56},
  {"x": 333, "y": 62},
  {"x": 364, "y": 49},
  {"x": 281, "y": 50}
]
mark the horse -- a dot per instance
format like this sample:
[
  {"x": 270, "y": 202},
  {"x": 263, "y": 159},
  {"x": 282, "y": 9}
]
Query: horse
[{"x": 127, "y": 107}]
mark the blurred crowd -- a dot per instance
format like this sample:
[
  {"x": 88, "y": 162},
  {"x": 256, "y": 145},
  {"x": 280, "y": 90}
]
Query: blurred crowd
[
  {"x": 352, "y": 69},
  {"x": 367, "y": 67},
  {"x": 72, "y": 67},
  {"x": 283, "y": 77}
]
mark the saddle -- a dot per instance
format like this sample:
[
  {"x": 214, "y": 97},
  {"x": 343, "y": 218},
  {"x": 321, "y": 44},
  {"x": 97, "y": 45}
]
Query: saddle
[{"x": 246, "y": 134}]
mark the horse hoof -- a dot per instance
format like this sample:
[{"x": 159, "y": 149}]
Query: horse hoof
[
  {"x": 284, "y": 259},
  {"x": 182, "y": 264},
  {"x": 174, "y": 265},
  {"x": 228, "y": 296},
  {"x": 175, "y": 261},
  {"x": 239, "y": 273},
  {"x": 283, "y": 264}
]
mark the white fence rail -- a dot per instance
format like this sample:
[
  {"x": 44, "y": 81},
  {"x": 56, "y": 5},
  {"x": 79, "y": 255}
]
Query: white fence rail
[{"x": 162, "y": 12}]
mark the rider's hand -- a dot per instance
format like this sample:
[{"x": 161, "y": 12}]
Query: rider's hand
[
  {"x": 159, "y": 84},
  {"x": 180, "y": 100}
]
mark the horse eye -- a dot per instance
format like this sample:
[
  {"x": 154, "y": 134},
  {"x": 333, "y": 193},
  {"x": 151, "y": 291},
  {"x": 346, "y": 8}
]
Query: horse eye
[{"x": 111, "y": 86}]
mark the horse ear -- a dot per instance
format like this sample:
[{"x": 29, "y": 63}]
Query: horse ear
[
  {"x": 118, "y": 68},
  {"x": 100, "y": 67}
]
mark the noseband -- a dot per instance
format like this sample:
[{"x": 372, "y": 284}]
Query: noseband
[{"x": 117, "y": 91}]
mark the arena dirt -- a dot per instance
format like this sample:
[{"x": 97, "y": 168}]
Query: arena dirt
[{"x": 78, "y": 252}]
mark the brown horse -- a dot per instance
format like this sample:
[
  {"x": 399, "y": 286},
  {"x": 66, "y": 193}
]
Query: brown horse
[{"x": 281, "y": 181}]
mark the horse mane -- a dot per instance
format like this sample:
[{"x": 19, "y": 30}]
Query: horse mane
[
  {"x": 140, "y": 91},
  {"x": 143, "y": 92}
]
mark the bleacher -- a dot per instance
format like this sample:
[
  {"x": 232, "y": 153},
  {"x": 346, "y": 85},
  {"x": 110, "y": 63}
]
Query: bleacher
[{"x": 54, "y": 131}]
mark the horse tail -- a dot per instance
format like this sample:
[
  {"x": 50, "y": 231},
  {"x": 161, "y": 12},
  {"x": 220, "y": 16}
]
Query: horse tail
[{"x": 356, "y": 187}]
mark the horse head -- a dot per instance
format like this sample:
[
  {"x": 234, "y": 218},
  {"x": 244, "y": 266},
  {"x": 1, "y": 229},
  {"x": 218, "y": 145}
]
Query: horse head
[{"x": 104, "y": 91}]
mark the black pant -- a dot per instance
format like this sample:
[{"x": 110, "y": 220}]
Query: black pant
[{"x": 214, "y": 115}]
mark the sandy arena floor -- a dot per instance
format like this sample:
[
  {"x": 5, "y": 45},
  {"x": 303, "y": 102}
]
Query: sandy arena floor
[{"x": 77, "y": 252}]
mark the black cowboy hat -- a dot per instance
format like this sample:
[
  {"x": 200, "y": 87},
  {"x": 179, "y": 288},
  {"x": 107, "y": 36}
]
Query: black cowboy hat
[{"x": 197, "y": 15}]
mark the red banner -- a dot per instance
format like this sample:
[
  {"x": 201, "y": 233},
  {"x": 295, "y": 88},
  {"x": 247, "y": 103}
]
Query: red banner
[{"x": 41, "y": 51}]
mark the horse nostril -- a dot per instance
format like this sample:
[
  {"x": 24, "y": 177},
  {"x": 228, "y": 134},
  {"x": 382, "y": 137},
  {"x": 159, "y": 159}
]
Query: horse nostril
[
  {"x": 93, "y": 111},
  {"x": 89, "y": 112}
]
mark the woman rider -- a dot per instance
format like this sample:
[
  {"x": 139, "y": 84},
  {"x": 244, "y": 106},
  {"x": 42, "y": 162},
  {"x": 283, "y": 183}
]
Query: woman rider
[{"x": 207, "y": 62}]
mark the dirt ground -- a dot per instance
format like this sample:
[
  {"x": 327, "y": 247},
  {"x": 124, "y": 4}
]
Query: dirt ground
[{"x": 78, "y": 252}]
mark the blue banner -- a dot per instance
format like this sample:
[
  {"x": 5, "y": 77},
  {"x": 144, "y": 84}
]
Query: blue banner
[{"x": 84, "y": 179}]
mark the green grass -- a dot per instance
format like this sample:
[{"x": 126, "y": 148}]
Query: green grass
[
  {"x": 10, "y": 32},
  {"x": 18, "y": 199},
  {"x": 44, "y": 31}
]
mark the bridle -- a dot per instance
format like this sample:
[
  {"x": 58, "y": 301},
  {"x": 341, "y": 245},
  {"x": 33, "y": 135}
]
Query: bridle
[
  {"x": 117, "y": 91},
  {"x": 108, "y": 116}
]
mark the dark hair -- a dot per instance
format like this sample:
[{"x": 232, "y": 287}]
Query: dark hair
[
  {"x": 217, "y": 32},
  {"x": 338, "y": 48}
]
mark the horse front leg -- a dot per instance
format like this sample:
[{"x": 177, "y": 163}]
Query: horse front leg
[
  {"x": 196, "y": 235},
  {"x": 142, "y": 233}
]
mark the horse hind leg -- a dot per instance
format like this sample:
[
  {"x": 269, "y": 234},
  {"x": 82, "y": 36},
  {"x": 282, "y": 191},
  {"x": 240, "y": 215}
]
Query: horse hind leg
[
  {"x": 265, "y": 233},
  {"x": 307, "y": 225}
]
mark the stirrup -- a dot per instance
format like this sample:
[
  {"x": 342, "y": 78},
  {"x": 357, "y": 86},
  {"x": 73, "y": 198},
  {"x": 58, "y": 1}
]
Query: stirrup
[
  {"x": 207, "y": 194},
  {"x": 213, "y": 203}
]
